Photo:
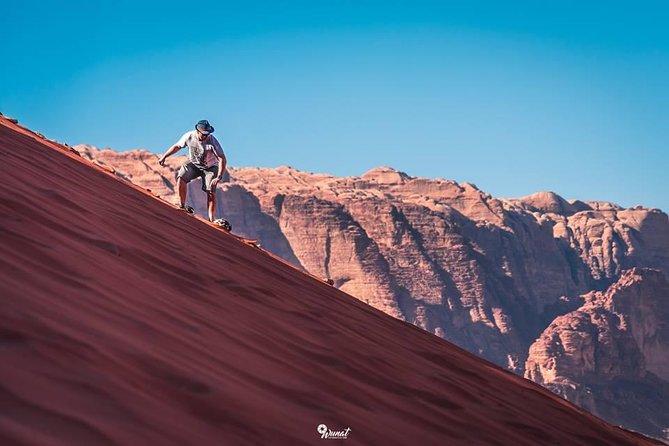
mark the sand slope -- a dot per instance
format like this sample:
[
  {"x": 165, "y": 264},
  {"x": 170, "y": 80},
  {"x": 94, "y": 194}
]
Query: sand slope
[{"x": 125, "y": 321}]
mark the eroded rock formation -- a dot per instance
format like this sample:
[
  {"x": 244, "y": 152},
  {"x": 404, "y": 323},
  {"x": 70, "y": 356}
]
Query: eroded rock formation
[
  {"x": 611, "y": 355},
  {"x": 488, "y": 274}
]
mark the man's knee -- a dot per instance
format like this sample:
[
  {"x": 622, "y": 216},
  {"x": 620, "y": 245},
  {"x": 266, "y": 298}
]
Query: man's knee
[{"x": 181, "y": 181}]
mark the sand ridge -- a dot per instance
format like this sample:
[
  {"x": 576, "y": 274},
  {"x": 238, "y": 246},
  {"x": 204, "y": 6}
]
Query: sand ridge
[{"x": 125, "y": 321}]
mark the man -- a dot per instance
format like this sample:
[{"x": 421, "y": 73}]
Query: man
[{"x": 205, "y": 160}]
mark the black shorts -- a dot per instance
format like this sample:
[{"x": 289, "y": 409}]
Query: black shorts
[{"x": 190, "y": 171}]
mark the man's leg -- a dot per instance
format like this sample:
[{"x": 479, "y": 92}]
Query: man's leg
[
  {"x": 182, "y": 191},
  {"x": 209, "y": 174},
  {"x": 186, "y": 174},
  {"x": 211, "y": 204}
]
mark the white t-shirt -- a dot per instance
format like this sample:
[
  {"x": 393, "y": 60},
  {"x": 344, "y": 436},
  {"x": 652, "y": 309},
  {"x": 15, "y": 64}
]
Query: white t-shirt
[{"x": 203, "y": 154}]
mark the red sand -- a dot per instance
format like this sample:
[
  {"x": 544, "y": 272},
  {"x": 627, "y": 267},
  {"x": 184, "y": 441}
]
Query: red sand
[{"x": 125, "y": 321}]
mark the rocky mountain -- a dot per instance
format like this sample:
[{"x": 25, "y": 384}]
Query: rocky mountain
[
  {"x": 108, "y": 338},
  {"x": 611, "y": 355},
  {"x": 491, "y": 275}
]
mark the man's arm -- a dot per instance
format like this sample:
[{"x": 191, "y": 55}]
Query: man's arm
[
  {"x": 221, "y": 170},
  {"x": 172, "y": 150},
  {"x": 221, "y": 166},
  {"x": 183, "y": 141},
  {"x": 218, "y": 151}
]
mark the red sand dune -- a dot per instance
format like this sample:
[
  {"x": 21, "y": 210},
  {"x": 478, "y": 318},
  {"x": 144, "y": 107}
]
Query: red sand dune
[{"x": 125, "y": 321}]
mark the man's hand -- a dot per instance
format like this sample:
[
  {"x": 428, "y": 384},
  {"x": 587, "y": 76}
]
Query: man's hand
[
  {"x": 214, "y": 182},
  {"x": 171, "y": 151}
]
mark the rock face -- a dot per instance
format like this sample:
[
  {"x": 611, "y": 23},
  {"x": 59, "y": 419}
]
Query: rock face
[
  {"x": 611, "y": 355},
  {"x": 488, "y": 274}
]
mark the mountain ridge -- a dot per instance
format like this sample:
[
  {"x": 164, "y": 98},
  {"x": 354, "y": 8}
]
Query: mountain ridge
[
  {"x": 489, "y": 274},
  {"x": 110, "y": 340}
]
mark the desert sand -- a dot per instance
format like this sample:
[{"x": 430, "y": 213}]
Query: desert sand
[{"x": 125, "y": 321}]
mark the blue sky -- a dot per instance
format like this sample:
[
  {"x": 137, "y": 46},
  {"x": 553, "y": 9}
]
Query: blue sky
[{"x": 515, "y": 97}]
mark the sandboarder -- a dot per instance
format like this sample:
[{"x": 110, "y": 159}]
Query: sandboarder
[{"x": 205, "y": 160}]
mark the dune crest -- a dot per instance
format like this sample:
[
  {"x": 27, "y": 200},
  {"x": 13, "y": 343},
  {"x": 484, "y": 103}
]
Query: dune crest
[{"x": 126, "y": 321}]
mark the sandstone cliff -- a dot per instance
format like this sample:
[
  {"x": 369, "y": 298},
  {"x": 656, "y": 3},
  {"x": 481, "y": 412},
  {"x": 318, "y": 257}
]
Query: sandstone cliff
[
  {"x": 108, "y": 338},
  {"x": 488, "y": 274},
  {"x": 611, "y": 355}
]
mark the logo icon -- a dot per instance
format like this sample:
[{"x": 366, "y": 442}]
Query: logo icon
[{"x": 328, "y": 434}]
